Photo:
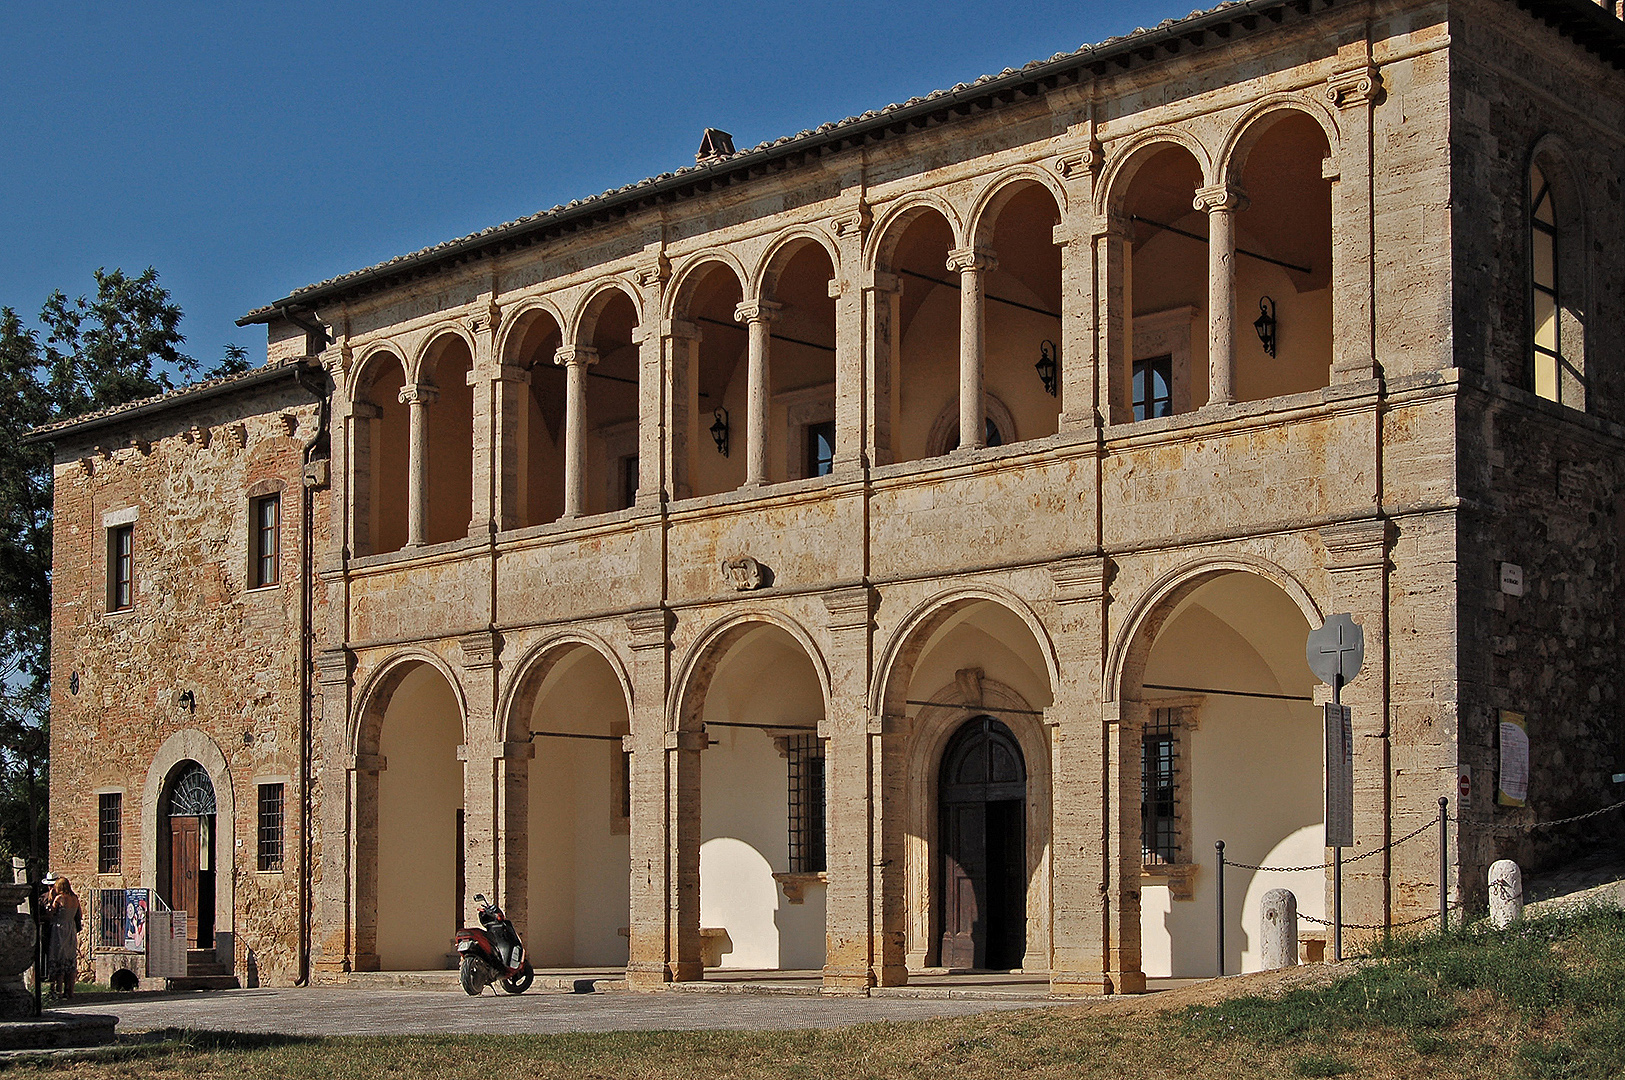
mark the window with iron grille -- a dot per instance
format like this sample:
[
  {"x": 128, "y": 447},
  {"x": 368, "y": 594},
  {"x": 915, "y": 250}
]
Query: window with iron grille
[
  {"x": 270, "y": 827},
  {"x": 1159, "y": 779},
  {"x": 109, "y": 832},
  {"x": 120, "y": 564},
  {"x": 265, "y": 558},
  {"x": 806, "y": 756}
]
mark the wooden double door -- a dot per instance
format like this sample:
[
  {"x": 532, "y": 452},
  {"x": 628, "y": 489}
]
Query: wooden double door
[
  {"x": 191, "y": 877},
  {"x": 982, "y": 877}
]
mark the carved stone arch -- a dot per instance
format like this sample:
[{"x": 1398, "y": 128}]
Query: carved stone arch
[
  {"x": 421, "y": 369},
  {"x": 364, "y": 370},
  {"x": 1125, "y": 663},
  {"x": 784, "y": 247},
  {"x": 903, "y": 649},
  {"x": 689, "y": 272},
  {"x": 585, "y": 318},
  {"x": 894, "y": 222},
  {"x": 944, "y": 432},
  {"x": 700, "y": 663},
  {"x": 1263, "y": 115},
  {"x": 367, "y": 724},
  {"x": 984, "y": 213},
  {"x": 1556, "y": 158},
  {"x": 519, "y": 697},
  {"x": 190, "y": 744},
  {"x": 934, "y": 727},
  {"x": 1124, "y": 161},
  {"x": 516, "y": 323}
]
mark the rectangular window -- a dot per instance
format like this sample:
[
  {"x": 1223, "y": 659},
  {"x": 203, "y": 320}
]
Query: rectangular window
[
  {"x": 628, "y": 488},
  {"x": 806, "y": 755},
  {"x": 1159, "y": 823},
  {"x": 270, "y": 827},
  {"x": 120, "y": 563},
  {"x": 1153, "y": 387},
  {"x": 626, "y": 785},
  {"x": 820, "y": 448},
  {"x": 265, "y": 554},
  {"x": 109, "y": 832}
]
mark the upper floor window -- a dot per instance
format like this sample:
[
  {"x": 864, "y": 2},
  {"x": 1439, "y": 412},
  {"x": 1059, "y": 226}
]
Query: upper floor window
[
  {"x": 820, "y": 449},
  {"x": 265, "y": 542},
  {"x": 1153, "y": 387},
  {"x": 120, "y": 563},
  {"x": 1556, "y": 289},
  {"x": 109, "y": 832}
]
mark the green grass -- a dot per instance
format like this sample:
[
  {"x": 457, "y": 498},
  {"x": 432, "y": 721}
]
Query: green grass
[{"x": 1544, "y": 1000}]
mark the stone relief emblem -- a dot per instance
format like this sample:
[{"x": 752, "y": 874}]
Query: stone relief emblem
[{"x": 746, "y": 573}]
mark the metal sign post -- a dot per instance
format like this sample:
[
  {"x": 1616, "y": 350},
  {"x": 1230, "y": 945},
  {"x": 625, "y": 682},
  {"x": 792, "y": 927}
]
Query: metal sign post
[{"x": 1335, "y": 653}]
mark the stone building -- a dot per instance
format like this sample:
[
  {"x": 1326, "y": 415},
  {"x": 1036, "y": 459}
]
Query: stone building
[{"x": 891, "y": 548}]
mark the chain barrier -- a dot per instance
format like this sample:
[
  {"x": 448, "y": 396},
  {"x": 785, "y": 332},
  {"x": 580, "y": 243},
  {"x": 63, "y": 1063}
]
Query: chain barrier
[
  {"x": 1514, "y": 830},
  {"x": 1431, "y": 916},
  {"x": 1327, "y": 866}
]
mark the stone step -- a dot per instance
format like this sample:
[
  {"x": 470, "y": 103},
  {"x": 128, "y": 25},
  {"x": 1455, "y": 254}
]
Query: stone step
[
  {"x": 54, "y": 1030},
  {"x": 203, "y": 982}
]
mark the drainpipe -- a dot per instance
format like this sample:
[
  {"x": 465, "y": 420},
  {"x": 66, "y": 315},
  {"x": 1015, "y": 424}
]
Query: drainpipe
[{"x": 313, "y": 380}]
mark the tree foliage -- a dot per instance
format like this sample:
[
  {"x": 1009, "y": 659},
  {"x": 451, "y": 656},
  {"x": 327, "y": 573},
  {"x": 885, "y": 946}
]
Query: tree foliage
[{"x": 119, "y": 345}]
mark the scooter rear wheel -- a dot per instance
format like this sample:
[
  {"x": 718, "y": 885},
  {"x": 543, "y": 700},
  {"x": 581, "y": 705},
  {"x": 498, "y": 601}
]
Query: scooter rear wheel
[
  {"x": 471, "y": 975},
  {"x": 520, "y": 982}
]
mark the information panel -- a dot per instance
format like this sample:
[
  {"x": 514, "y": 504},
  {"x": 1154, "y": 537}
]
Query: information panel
[{"x": 1339, "y": 776}]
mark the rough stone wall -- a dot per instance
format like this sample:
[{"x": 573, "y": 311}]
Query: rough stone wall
[
  {"x": 193, "y": 625},
  {"x": 1540, "y": 483}
]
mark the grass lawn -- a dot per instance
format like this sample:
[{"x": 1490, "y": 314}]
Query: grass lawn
[{"x": 1544, "y": 1000}]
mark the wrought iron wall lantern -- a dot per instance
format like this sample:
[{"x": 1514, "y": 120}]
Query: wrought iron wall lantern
[
  {"x": 186, "y": 700},
  {"x": 719, "y": 431},
  {"x": 1265, "y": 324},
  {"x": 1047, "y": 367}
]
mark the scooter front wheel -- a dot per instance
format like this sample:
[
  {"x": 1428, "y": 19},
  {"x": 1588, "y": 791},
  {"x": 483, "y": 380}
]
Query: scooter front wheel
[
  {"x": 520, "y": 982},
  {"x": 471, "y": 975}
]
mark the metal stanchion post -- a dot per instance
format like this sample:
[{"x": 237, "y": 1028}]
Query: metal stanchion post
[
  {"x": 1444, "y": 864},
  {"x": 1218, "y": 846},
  {"x": 1337, "y": 904}
]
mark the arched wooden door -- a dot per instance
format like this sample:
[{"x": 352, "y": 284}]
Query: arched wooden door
[
  {"x": 187, "y": 867},
  {"x": 982, "y": 882}
]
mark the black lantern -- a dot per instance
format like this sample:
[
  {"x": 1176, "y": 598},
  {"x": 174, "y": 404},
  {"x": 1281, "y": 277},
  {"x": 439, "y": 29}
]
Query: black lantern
[
  {"x": 1046, "y": 366},
  {"x": 719, "y": 431},
  {"x": 1265, "y": 324}
]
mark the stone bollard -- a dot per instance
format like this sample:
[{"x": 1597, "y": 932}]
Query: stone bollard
[
  {"x": 1280, "y": 929},
  {"x": 1506, "y": 894}
]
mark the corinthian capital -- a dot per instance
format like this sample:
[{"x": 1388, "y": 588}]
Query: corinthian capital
[
  {"x": 978, "y": 260},
  {"x": 1220, "y": 197}
]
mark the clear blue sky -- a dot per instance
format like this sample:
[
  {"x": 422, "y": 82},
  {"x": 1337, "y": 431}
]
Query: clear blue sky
[{"x": 246, "y": 150}]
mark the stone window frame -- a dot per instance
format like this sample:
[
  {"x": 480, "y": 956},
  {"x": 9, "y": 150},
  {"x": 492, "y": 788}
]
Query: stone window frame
[
  {"x": 620, "y": 441},
  {"x": 945, "y": 429},
  {"x": 1167, "y": 333},
  {"x": 256, "y": 495},
  {"x": 799, "y": 878},
  {"x": 1571, "y": 272},
  {"x": 1180, "y": 877},
  {"x": 802, "y": 409},
  {"x": 102, "y": 865},
  {"x": 119, "y": 524}
]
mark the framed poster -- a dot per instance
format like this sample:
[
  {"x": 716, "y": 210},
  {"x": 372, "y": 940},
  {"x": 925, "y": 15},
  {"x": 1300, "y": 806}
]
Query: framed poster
[
  {"x": 135, "y": 920},
  {"x": 1512, "y": 780}
]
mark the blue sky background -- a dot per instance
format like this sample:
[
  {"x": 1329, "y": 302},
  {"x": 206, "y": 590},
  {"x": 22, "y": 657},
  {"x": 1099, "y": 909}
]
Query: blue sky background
[{"x": 246, "y": 150}]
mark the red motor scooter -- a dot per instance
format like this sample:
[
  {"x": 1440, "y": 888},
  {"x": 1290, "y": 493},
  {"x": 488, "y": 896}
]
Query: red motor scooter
[{"x": 492, "y": 953}]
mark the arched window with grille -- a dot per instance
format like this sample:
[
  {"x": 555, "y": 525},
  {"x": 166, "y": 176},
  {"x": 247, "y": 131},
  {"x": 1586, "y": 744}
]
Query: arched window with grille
[{"x": 1556, "y": 287}]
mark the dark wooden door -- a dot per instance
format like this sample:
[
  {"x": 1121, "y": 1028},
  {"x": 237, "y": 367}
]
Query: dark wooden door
[
  {"x": 184, "y": 836},
  {"x": 982, "y": 841}
]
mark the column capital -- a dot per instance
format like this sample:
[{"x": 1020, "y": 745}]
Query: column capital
[
  {"x": 1355, "y": 545},
  {"x": 1354, "y": 88},
  {"x": 418, "y": 394},
  {"x": 480, "y": 650},
  {"x": 1219, "y": 197},
  {"x": 681, "y": 329},
  {"x": 974, "y": 260},
  {"x": 757, "y": 311},
  {"x": 575, "y": 356},
  {"x": 882, "y": 282},
  {"x": 849, "y": 609},
  {"x": 649, "y": 628},
  {"x": 1113, "y": 223},
  {"x": 1082, "y": 579},
  {"x": 333, "y": 667},
  {"x": 511, "y": 373}
]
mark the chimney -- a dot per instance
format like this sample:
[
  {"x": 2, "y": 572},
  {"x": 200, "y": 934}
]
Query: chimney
[{"x": 714, "y": 144}]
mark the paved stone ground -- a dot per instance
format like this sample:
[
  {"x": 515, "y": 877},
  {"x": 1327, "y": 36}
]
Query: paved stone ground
[{"x": 321, "y": 1011}]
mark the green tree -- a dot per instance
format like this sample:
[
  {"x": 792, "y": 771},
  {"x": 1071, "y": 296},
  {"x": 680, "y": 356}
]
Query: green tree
[{"x": 118, "y": 346}]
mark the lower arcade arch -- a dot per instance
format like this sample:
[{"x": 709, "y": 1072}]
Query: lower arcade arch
[
  {"x": 572, "y": 706},
  {"x": 1231, "y": 750}
]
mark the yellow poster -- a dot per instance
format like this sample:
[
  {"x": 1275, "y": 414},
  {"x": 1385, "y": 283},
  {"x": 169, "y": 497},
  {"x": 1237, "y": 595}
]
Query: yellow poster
[{"x": 1513, "y": 781}]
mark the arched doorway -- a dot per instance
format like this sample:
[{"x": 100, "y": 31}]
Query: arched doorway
[
  {"x": 982, "y": 801},
  {"x": 187, "y": 862}
]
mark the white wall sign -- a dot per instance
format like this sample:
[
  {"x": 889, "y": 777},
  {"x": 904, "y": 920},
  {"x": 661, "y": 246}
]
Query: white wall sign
[
  {"x": 1513, "y": 783},
  {"x": 1512, "y": 579}
]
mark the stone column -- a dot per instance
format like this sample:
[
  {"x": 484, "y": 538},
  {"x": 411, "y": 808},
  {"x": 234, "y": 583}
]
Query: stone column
[
  {"x": 651, "y": 420},
  {"x": 1353, "y": 90},
  {"x": 510, "y": 409},
  {"x": 511, "y": 768},
  {"x": 1221, "y": 202},
  {"x": 757, "y": 315},
  {"x": 361, "y": 484},
  {"x": 681, "y": 345},
  {"x": 486, "y": 423},
  {"x": 1079, "y": 371},
  {"x": 1113, "y": 320},
  {"x": 575, "y": 360},
  {"x": 682, "y": 762},
  {"x": 1084, "y": 888},
  {"x": 483, "y": 755},
  {"x": 1124, "y": 729},
  {"x": 971, "y": 264},
  {"x": 417, "y": 397},
  {"x": 331, "y": 934},
  {"x": 882, "y": 360},
  {"x": 852, "y": 450},
  {"x": 362, "y": 799},
  {"x": 651, "y": 854}
]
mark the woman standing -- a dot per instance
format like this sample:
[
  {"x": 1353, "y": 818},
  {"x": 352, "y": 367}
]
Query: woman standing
[{"x": 66, "y": 918}]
